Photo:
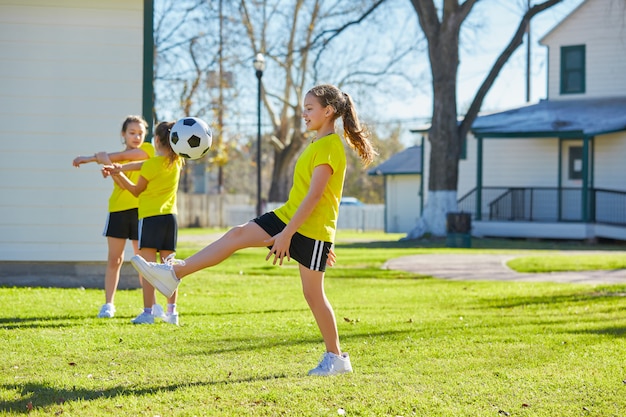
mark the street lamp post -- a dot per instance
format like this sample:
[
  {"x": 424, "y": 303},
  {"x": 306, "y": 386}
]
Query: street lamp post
[{"x": 259, "y": 66}]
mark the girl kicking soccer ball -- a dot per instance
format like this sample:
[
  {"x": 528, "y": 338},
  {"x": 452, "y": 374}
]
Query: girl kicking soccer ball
[{"x": 303, "y": 228}]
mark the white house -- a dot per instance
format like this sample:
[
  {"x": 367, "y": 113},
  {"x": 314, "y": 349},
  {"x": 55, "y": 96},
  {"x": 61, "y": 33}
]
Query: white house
[
  {"x": 71, "y": 71},
  {"x": 555, "y": 169},
  {"x": 403, "y": 189}
]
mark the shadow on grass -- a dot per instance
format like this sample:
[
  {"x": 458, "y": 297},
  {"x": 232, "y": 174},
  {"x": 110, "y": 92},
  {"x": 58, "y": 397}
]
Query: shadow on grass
[
  {"x": 42, "y": 395},
  {"x": 560, "y": 320},
  {"x": 246, "y": 344},
  {"x": 245, "y": 312},
  {"x": 41, "y": 322},
  {"x": 10, "y": 323},
  {"x": 575, "y": 297},
  {"x": 608, "y": 331}
]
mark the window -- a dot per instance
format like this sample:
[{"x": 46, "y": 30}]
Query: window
[
  {"x": 573, "y": 69},
  {"x": 575, "y": 163}
]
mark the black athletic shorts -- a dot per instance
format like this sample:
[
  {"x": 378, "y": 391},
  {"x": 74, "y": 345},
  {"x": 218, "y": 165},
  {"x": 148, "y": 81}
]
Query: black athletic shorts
[
  {"x": 158, "y": 232},
  {"x": 308, "y": 252},
  {"x": 122, "y": 224}
]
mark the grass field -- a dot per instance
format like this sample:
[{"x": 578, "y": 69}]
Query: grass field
[{"x": 419, "y": 346}]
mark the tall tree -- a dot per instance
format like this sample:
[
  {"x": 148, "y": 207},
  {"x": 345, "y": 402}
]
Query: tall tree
[{"x": 442, "y": 28}]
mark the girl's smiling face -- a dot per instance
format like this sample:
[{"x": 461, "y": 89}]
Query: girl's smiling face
[
  {"x": 134, "y": 135},
  {"x": 314, "y": 115}
]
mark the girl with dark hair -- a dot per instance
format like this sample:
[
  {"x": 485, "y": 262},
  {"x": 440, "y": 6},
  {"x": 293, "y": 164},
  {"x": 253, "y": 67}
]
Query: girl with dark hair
[
  {"x": 122, "y": 220},
  {"x": 156, "y": 188}
]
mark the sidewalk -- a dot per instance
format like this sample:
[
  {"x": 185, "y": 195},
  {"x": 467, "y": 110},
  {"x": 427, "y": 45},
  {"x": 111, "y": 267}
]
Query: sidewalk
[
  {"x": 482, "y": 267},
  {"x": 493, "y": 268}
]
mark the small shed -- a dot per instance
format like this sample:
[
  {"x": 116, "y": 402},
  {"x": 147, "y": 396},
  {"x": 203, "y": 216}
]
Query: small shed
[{"x": 403, "y": 189}]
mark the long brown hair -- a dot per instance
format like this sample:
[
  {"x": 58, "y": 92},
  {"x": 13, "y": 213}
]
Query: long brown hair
[
  {"x": 356, "y": 135},
  {"x": 162, "y": 134}
]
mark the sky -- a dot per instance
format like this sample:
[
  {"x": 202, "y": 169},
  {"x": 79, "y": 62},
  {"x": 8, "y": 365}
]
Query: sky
[{"x": 497, "y": 21}]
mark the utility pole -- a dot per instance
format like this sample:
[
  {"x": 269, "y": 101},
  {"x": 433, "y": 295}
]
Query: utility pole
[
  {"x": 528, "y": 56},
  {"x": 220, "y": 105}
]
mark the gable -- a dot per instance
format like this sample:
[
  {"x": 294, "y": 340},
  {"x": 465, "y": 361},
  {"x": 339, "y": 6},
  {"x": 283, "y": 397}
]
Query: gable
[{"x": 599, "y": 28}]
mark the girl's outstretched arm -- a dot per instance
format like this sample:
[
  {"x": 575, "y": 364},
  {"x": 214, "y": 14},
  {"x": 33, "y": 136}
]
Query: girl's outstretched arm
[
  {"x": 105, "y": 158},
  {"x": 137, "y": 154},
  {"x": 79, "y": 160}
]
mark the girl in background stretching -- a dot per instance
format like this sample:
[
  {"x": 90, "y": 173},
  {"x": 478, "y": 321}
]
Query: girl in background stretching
[{"x": 122, "y": 220}]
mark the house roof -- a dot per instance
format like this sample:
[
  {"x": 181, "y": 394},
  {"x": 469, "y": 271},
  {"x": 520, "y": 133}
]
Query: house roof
[
  {"x": 561, "y": 118},
  {"x": 407, "y": 162},
  {"x": 543, "y": 39}
]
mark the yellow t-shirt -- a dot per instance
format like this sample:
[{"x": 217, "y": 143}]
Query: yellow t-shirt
[
  {"x": 121, "y": 199},
  {"x": 322, "y": 223},
  {"x": 159, "y": 197}
]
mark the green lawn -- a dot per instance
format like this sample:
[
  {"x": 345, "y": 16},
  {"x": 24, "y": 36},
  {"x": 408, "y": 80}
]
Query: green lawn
[{"x": 419, "y": 346}]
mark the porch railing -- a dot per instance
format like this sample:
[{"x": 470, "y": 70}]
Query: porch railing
[{"x": 547, "y": 204}]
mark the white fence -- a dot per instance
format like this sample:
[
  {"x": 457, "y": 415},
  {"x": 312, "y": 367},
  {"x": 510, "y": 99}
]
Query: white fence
[
  {"x": 201, "y": 210},
  {"x": 362, "y": 218}
]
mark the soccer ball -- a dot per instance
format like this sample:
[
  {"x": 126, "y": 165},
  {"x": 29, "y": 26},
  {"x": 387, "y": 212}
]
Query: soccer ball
[{"x": 191, "y": 137}]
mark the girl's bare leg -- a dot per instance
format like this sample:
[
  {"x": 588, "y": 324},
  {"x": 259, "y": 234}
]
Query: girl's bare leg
[
  {"x": 114, "y": 264},
  {"x": 164, "y": 254},
  {"x": 149, "y": 294},
  {"x": 313, "y": 289},
  {"x": 248, "y": 235}
]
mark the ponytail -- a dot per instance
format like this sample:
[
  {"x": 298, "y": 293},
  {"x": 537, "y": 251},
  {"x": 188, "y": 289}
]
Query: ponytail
[
  {"x": 162, "y": 134},
  {"x": 356, "y": 135}
]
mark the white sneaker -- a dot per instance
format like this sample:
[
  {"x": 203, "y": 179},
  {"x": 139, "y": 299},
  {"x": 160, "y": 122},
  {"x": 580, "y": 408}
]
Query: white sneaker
[
  {"x": 161, "y": 276},
  {"x": 107, "y": 311},
  {"x": 332, "y": 364},
  {"x": 143, "y": 318},
  {"x": 171, "y": 318},
  {"x": 157, "y": 311},
  {"x": 171, "y": 260}
]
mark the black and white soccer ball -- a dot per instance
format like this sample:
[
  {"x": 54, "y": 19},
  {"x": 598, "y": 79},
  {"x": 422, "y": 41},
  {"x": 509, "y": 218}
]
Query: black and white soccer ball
[{"x": 191, "y": 137}]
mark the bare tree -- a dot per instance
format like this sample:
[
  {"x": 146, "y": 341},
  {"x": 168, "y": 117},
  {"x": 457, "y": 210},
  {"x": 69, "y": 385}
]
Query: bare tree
[
  {"x": 446, "y": 136},
  {"x": 190, "y": 74},
  {"x": 303, "y": 46},
  {"x": 305, "y": 42}
]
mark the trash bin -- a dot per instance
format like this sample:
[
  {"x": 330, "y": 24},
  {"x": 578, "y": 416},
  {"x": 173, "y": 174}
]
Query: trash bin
[{"x": 458, "y": 230}]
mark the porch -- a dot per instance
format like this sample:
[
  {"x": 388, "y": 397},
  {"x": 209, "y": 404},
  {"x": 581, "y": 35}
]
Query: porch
[{"x": 546, "y": 212}]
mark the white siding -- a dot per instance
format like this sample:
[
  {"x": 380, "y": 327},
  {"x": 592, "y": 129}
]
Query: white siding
[
  {"x": 511, "y": 163},
  {"x": 600, "y": 25},
  {"x": 72, "y": 70},
  {"x": 610, "y": 169},
  {"x": 467, "y": 168},
  {"x": 402, "y": 203}
]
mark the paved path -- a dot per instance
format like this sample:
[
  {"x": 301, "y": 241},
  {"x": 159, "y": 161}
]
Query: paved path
[
  {"x": 485, "y": 267},
  {"x": 493, "y": 267}
]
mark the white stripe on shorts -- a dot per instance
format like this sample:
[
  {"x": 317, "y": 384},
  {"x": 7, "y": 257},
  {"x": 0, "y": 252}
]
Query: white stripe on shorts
[
  {"x": 106, "y": 225},
  {"x": 140, "y": 228},
  {"x": 316, "y": 256}
]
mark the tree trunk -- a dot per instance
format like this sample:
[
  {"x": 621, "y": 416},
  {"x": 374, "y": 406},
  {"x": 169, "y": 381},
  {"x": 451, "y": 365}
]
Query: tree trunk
[
  {"x": 446, "y": 133},
  {"x": 282, "y": 172},
  {"x": 443, "y": 50}
]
